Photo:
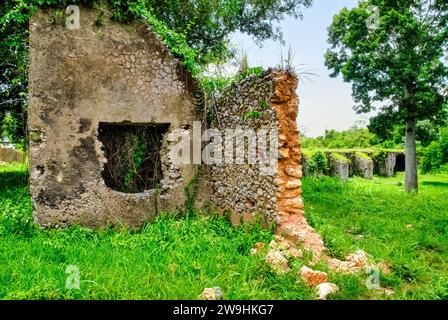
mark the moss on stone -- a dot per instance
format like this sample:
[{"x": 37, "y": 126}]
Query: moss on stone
[
  {"x": 362, "y": 155},
  {"x": 380, "y": 156},
  {"x": 307, "y": 154},
  {"x": 340, "y": 157}
]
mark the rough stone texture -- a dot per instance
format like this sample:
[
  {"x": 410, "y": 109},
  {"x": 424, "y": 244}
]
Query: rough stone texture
[
  {"x": 362, "y": 166},
  {"x": 311, "y": 277},
  {"x": 386, "y": 167},
  {"x": 241, "y": 188},
  {"x": 286, "y": 247},
  {"x": 353, "y": 263},
  {"x": 293, "y": 224},
  {"x": 323, "y": 290},
  {"x": 214, "y": 293},
  {"x": 79, "y": 78},
  {"x": 339, "y": 167},
  {"x": 277, "y": 261},
  {"x": 11, "y": 155}
]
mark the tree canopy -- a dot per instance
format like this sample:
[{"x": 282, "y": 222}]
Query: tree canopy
[
  {"x": 354, "y": 137},
  {"x": 392, "y": 51}
]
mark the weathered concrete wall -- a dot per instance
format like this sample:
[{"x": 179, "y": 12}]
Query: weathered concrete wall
[
  {"x": 362, "y": 165},
  {"x": 339, "y": 166},
  {"x": 79, "y": 78},
  {"x": 385, "y": 165},
  {"x": 11, "y": 155}
]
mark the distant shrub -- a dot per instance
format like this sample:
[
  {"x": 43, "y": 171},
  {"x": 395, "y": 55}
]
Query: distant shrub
[
  {"x": 432, "y": 159},
  {"x": 15, "y": 204},
  {"x": 435, "y": 156},
  {"x": 380, "y": 156},
  {"x": 352, "y": 138},
  {"x": 17, "y": 220},
  {"x": 318, "y": 163}
]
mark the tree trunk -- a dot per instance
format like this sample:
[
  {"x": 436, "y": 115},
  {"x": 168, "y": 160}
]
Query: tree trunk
[{"x": 411, "y": 183}]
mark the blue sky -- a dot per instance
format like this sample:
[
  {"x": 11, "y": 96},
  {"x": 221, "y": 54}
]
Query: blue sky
[{"x": 325, "y": 103}]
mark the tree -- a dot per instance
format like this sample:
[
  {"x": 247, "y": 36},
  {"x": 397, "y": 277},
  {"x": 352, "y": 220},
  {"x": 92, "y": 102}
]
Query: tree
[
  {"x": 389, "y": 132},
  {"x": 207, "y": 24},
  {"x": 13, "y": 78},
  {"x": 204, "y": 24},
  {"x": 392, "y": 52},
  {"x": 436, "y": 154}
]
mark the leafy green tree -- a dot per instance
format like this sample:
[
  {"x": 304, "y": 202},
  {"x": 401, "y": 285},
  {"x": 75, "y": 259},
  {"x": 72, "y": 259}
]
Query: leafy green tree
[
  {"x": 353, "y": 138},
  {"x": 393, "y": 55},
  {"x": 13, "y": 76},
  {"x": 436, "y": 154},
  {"x": 207, "y": 24},
  {"x": 388, "y": 131},
  {"x": 318, "y": 163}
]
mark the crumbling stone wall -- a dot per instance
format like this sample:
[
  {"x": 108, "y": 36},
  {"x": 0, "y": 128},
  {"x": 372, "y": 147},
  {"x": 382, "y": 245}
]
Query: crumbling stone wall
[
  {"x": 125, "y": 75},
  {"x": 363, "y": 163},
  {"x": 240, "y": 188},
  {"x": 243, "y": 189},
  {"x": 79, "y": 78}
]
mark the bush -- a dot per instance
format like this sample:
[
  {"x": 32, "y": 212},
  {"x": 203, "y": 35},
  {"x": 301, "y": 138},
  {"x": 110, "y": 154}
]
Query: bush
[
  {"x": 318, "y": 163},
  {"x": 15, "y": 204},
  {"x": 380, "y": 156},
  {"x": 432, "y": 158},
  {"x": 352, "y": 138},
  {"x": 435, "y": 157},
  {"x": 15, "y": 217}
]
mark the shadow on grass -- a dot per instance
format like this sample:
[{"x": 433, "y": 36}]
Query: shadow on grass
[
  {"x": 12, "y": 179},
  {"x": 435, "y": 183}
]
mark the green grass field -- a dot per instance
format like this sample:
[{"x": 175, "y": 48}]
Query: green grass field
[{"x": 176, "y": 257}]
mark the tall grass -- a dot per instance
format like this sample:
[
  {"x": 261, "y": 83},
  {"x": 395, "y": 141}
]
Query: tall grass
[
  {"x": 175, "y": 258},
  {"x": 169, "y": 258},
  {"x": 409, "y": 232}
]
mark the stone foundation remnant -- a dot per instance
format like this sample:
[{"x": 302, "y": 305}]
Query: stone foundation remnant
[
  {"x": 385, "y": 165},
  {"x": 339, "y": 166},
  {"x": 362, "y": 163}
]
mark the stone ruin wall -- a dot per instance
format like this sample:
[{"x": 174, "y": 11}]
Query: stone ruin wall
[
  {"x": 113, "y": 74},
  {"x": 345, "y": 164},
  {"x": 242, "y": 190},
  {"x": 126, "y": 75}
]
